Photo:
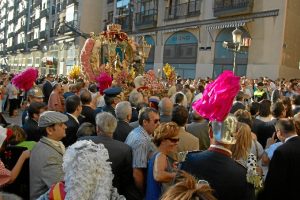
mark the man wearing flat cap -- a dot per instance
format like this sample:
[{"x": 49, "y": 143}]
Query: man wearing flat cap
[
  {"x": 35, "y": 94},
  {"x": 47, "y": 155},
  {"x": 112, "y": 96}
]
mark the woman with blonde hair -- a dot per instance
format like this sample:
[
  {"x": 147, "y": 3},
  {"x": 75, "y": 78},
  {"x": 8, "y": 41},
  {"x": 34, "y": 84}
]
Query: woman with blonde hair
[
  {"x": 244, "y": 116},
  {"x": 188, "y": 188},
  {"x": 241, "y": 153},
  {"x": 160, "y": 166}
]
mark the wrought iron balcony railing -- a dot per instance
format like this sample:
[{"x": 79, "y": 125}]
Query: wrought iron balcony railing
[
  {"x": 21, "y": 29},
  {"x": 11, "y": 34},
  {"x": 23, "y": 12},
  {"x": 45, "y": 13},
  {"x": 35, "y": 23},
  {"x": 125, "y": 22},
  {"x": 43, "y": 35},
  {"x": 146, "y": 19},
  {"x": 20, "y": 46},
  {"x": 32, "y": 43},
  {"x": 227, "y": 8},
  {"x": 69, "y": 2},
  {"x": 183, "y": 10},
  {"x": 10, "y": 49}
]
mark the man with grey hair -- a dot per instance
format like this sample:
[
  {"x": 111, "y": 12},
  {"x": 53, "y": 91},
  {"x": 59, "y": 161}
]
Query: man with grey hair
[
  {"x": 119, "y": 154},
  {"x": 165, "y": 108},
  {"x": 123, "y": 114},
  {"x": 135, "y": 98}
]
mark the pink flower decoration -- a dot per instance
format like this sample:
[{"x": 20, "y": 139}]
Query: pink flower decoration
[
  {"x": 85, "y": 58},
  {"x": 104, "y": 81},
  {"x": 218, "y": 97},
  {"x": 25, "y": 79}
]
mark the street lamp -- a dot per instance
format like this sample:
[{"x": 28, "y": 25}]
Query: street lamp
[
  {"x": 238, "y": 45},
  {"x": 143, "y": 51}
]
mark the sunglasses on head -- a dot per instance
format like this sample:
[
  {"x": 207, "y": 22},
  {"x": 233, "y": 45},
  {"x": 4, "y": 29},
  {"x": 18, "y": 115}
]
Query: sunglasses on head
[{"x": 173, "y": 140}]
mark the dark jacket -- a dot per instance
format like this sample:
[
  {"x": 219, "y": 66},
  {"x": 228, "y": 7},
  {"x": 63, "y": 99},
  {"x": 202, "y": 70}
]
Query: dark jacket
[
  {"x": 225, "y": 176},
  {"x": 122, "y": 131},
  {"x": 89, "y": 115},
  {"x": 283, "y": 177},
  {"x": 47, "y": 89},
  {"x": 32, "y": 130},
  {"x": 72, "y": 128}
]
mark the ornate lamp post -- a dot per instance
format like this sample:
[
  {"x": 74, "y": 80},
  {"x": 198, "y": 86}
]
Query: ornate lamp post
[
  {"x": 238, "y": 45},
  {"x": 143, "y": 51}
]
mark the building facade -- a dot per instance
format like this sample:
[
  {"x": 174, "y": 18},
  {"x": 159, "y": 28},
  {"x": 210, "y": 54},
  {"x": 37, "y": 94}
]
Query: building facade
[
  {"x": 46, "y": 34},
  {"x": 188, "y": 34}
]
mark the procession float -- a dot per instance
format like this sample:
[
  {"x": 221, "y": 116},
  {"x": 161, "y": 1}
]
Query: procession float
[{"x": 113, "y": 58}]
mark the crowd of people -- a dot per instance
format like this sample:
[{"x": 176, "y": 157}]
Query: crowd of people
[{"x": 77, "y": 143}]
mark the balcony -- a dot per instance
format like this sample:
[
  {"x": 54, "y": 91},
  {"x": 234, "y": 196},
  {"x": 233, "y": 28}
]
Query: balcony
[
  {"x": 43, "y": 35},
  {"x": 125, "y": 21},
  {"x": 23, "y": 12},
  {"x": 35, "y": 23},
  {"x": 3, "y": 41},
  {"x": 224, "y": 8},
  {"x": 12, "y": 34},
  {"x": 146, "y": 19},
  {"x": 184, "y": 10},
  {"x": 69, "y": 2},
  {"x": 44, "y": 13},
  {"x": 20, "y": 46},
  {"x": 37, "y": 3},
  {"x": 22, "y": 29},
  {"x": 32, "y": 43},
  {"x": 10, "y": 49}
]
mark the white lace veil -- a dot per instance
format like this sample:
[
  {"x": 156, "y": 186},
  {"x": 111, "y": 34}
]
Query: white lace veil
[{"x": 88, "y": 173}]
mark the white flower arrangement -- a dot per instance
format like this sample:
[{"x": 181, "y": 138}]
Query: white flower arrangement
[{"x": 88, "y": 173}]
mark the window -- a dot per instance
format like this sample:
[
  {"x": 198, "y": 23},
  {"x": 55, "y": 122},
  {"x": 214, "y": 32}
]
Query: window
[
  {"x": 43, "y": 23},
  {"x": 9, "y": 42},
  {"x": 36, "y": 33},
  {"x": 21, "y": 38},
  {"x": 44, "y": 4},
  {"x": 110, "y": 16},
  {"x": 37, "y": 13},
  {"x": 70, "y": 13},
  {"x": 10, "y": 15}
]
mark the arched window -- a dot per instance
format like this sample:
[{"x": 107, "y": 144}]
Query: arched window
[{"x": 180, "y": 51}]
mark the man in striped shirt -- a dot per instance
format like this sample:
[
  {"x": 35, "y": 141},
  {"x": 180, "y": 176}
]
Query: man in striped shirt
[{"x": 139, "y": 139}]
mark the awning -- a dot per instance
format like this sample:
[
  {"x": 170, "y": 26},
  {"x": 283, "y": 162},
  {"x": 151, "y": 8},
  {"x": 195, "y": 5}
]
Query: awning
[{"x": 228, "y": 24}]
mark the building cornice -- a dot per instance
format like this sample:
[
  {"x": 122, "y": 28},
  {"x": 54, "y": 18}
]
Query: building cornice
[{"x": 198, "y": 23}]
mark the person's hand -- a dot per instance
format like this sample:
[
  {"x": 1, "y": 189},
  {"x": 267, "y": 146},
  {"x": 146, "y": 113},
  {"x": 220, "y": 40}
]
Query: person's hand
[
  {"x": 259, "y": 170},
  {"x": 26, "y": 154}
]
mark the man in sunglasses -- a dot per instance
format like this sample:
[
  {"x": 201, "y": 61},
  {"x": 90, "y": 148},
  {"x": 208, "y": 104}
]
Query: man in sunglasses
[{"x": 140, "y": 141}]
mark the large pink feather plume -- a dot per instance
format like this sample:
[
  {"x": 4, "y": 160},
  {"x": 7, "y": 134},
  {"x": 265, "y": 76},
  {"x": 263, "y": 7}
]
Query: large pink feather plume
[
  {"x": 25, "y": 79},
  {"x": 218, "y": 97},
  {"x": 104, "y": 81}
]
